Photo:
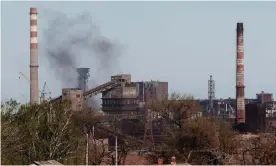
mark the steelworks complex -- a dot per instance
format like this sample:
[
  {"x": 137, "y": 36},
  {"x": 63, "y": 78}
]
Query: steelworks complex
[{"x": 126, "y": 99}]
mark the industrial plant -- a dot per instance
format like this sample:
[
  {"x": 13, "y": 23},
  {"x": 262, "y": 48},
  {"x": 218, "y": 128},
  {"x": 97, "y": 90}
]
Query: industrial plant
[{"x": 130, "y": 100}]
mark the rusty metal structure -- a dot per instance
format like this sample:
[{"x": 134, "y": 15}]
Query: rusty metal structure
[
  {"x": 34, "y": 91},
  {"x": 240, "y": 106}
]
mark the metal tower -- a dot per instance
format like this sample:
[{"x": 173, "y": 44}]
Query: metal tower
[
  {"x": 44, "y": 92},
  {"x": 211, "y": 94},
  {"x": 83, "y": 75},
  {"x": 148, "y": 135}
]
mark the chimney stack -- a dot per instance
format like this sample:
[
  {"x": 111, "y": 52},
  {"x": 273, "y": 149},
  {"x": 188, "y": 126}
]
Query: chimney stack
[
  {"x": 34, "y": 92},
  {"x": 240, "y": 108}
]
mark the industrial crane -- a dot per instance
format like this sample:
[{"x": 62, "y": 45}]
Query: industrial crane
[{"x": 43, "y": 93}]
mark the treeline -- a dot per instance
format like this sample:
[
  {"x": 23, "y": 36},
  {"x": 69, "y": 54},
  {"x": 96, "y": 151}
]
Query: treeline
[
  {"x": 53, "y": 131},
  {"x": 207, "y": 140},
  {"x": 42, "y": 132}
]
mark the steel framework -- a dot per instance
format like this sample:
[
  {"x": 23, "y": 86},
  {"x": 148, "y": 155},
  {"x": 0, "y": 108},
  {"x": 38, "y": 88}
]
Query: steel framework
[{"x": 211, "y": 94}]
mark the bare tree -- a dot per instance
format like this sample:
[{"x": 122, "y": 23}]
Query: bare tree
[
  {"x": 198, "y": 140},
  {"x": 257, "y": 149},
  {"x": 86, "y": 121},
  {"x": 125, "y": 145}
]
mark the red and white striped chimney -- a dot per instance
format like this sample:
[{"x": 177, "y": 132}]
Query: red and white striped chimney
[
  {"x": 240, "y": 108},
  {"x": 34, "y": 91}
]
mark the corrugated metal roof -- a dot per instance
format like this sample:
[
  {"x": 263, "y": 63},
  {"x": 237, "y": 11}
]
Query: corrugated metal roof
[{"x": 49, "y": 162}]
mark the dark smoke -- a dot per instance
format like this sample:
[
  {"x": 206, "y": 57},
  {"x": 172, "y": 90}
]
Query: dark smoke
[{"x": 70, "y": 41}]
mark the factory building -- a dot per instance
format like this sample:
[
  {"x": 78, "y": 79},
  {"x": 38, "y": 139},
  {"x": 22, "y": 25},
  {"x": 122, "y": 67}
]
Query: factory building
[
  {"x": 120, "y": 99},
  {"x": 75, "y": 96},
  {"x": 229, "y": 104},
  {"x": 132, "y": 100},
  {"x": 264, "y": 97},
  {"x": 260, "y": 111},
  {"x": 120, "y": 96},
  {"x": 255, "y": 117},
  {"x": 130, "y": 97}
]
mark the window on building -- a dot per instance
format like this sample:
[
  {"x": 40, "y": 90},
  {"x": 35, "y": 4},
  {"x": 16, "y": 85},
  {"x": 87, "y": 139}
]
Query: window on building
[{"x": 78, "y": 96}]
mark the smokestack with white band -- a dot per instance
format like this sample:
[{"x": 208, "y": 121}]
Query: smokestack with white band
[{"x": 34, "y": 92}]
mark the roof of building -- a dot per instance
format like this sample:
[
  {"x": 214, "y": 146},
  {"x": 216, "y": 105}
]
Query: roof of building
[{"x": 48, "y": 162}]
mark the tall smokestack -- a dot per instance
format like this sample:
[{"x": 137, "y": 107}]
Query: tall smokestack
[
  {"x": 240, "y": 108},
  {"x": 33, "y": 57},
  {"x": 83, "y": 75}
]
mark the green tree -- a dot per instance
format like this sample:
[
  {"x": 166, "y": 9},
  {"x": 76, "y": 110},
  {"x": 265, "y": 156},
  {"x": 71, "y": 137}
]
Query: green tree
[
  {"x": 11, "y": 137},
  {"x": 42, "y": 132}
]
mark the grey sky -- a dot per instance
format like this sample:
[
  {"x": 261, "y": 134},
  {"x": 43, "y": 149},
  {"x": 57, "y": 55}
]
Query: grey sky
[{"x": 179, "y": 42}]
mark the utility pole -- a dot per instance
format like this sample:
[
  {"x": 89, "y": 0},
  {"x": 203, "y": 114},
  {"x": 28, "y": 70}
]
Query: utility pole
[
  {"x": 93, "y": 129},
  {"x": 87, "y": 148},
  {"x": 116, "y": 151}
]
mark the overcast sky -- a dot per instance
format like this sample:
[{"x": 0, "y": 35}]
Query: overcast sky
[{"x": 179, "y": 42}]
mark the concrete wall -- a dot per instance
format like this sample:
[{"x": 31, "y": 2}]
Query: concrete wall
[
  {"x": 156, "y": 90},
  {"x": 126, "y": 77},
  {"x": 113, "y": 93},
  {"x": 75, "y": 96},
  {"x": 121, "y": 99},
  {"x": 130, "y": 96},
  {"x": 129, "y": 91}
]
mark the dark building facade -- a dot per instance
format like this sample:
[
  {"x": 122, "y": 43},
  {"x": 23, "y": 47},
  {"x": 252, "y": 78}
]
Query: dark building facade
[
  {"x": 264, "y": 97},
  {"x": 255, "y": 117},
  {"x": 131, "y": 97}
]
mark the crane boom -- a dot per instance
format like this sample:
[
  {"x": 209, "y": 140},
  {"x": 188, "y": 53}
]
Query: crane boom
[
  {"x": 22, "y": 74},
  {"x": 43, "y": 92}
]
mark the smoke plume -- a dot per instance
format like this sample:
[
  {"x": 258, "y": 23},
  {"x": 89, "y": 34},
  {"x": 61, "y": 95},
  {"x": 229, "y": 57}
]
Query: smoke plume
[{"x": 71, "y": 42}]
